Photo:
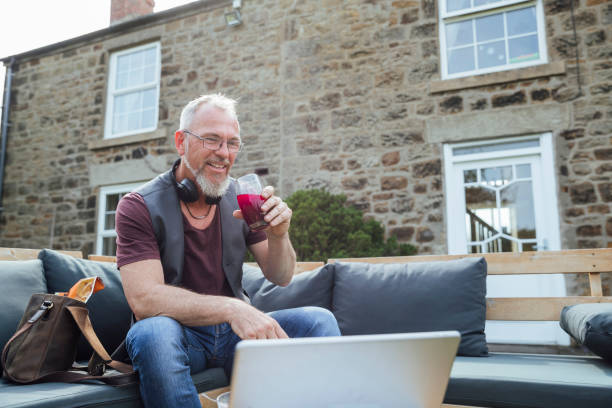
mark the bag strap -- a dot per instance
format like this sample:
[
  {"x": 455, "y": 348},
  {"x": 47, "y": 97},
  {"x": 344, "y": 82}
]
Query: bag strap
[
  {"x": 116, "y": 380},
  {"x": 81, "y": 317},
  {"x": 127, "y": 376}
]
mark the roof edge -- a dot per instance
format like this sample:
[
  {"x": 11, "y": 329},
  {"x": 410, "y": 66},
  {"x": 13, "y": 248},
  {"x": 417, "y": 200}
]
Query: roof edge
[{"x": 166, "y": 15}]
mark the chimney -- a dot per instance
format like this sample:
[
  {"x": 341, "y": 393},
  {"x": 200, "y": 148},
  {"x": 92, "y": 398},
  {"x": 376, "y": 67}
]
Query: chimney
[{"x": 123, "y": 10}]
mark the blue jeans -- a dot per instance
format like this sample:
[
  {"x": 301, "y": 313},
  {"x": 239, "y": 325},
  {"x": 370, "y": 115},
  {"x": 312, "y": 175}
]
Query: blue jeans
[{"x": 165, "y": 353}]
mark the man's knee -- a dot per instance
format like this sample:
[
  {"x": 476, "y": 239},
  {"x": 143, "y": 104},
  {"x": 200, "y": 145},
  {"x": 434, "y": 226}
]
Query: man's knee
[
  {"x": 323, "y": 322},
  {"x": 154, "y": 334},
  {"x": 309, "y": 321}
]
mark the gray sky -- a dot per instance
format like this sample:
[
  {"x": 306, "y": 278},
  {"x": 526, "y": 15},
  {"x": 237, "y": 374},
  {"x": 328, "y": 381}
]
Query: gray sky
[{"x": 29, "y": 24}]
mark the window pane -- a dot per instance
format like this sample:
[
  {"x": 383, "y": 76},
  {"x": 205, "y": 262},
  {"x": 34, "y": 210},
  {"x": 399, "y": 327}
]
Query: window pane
[
  {"x": 132, "y": 102},
  {"x": 483, "y": 2},
  {"x": 517, "y": 201},
  {"x": 148, "y": 118},
  {"x": 523, "y": 49},
  {"x": 151, "y": 56},
  {"x": 122, "y": 80},
  {"x": 123, "y": 63},
  {"x": 120, "y": 104},
  {"x": 490, "y": 27},
  {"x": 134, "y": 120},
  {"x": 109, "y": 246},
  {"x": 480, "y": 213},
  {"x": 522, "y": 21},
  {"x": 111, "y": 206},
  {"x": 530, "y": 246},
  {"x": 149, "y": 74},
  {"x": 474, "y": 249},
  {"x": 111, "y": 202},
  {"x": 470, "y": 176},
  {"x": 461, "y": 60},
  {"x": 109, "y": 221},
  {"x": 454, "y": 5},
  {"x": 491, "y": 54},
  {"x": 497, "y": 147},
  {"x": 459, "y": 34},
  {"x": 120, "y": 124},
  {"x": 136, "y": 77},
  {"x": 137, "y": 59},
  {"x": 148, "y": 98},
  {"x": 496, "y": 176},
  {"x": 523, "y": 171}
]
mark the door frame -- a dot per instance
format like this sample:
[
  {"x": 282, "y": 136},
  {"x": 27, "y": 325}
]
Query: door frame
[{"x": 546, "y": 184}]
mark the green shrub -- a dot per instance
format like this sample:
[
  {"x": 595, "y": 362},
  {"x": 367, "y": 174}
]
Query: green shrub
[{"x": 323, "y": 227}]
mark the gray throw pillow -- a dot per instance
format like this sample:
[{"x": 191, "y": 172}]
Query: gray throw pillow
[
  {"x": 108, "y": 309},
  {"x": 590, "y": 324},
  {"x": 414, "y": 297},
  {"x": 310, "y": 288},
  {"x": 19, "y": 280}
]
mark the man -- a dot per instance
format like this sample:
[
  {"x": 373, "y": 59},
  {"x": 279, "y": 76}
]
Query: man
[{"x": 181, "y": 242}]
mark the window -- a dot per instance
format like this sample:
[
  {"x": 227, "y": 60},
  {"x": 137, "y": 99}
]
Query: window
[
  {"x": 481, "y": 36},
  {"x": 133, "y": 91},
  {"x": 501, "y": 196},
  {"x": 109, "y": 198}
]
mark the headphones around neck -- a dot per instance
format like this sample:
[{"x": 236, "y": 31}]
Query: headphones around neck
[{"x": 187, "y": 191}]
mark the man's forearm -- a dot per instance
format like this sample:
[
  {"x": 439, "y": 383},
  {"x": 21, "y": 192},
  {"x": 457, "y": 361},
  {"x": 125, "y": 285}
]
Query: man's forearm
[
  {"x": 188, "y": 308},
  {"x": 280, "y": 262}
]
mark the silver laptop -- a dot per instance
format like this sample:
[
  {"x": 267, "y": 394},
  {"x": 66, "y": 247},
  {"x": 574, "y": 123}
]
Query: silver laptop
[{"x": 370, "y": 371}]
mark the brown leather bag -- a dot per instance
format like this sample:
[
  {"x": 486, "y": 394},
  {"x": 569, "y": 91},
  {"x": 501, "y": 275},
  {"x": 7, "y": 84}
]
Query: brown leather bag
[{"x": 44, "y": 346}]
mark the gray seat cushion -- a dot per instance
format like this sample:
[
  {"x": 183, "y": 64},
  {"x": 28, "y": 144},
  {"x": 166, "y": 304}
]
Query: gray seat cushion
[
  {"x": 414, "y": 297},
  {"x": 62, "y": 395},
  {"x": 529, "y": 380},
  {"x": 19, "y": 280},
  {"x": 108, "y": 308}
]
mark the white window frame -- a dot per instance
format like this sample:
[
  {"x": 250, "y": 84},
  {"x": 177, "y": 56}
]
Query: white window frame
[
  {"x": 445, "y": 17},
  {"x": 104, "y": 192},
  {"x": 111, "y": 93},
  {"x": 455, "y": 230}
]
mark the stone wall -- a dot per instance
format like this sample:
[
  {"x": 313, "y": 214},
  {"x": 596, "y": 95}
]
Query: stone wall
[{"x": 333, "y": 94}]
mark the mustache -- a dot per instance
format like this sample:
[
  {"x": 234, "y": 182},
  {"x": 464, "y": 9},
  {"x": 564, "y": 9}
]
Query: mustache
[{"x": 217, "y": 162}]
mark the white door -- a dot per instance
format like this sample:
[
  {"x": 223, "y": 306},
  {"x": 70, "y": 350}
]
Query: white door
[{"x": 501, "y": 197}]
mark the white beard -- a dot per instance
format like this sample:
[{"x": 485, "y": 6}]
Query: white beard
[{"x": 209, "y": 188}]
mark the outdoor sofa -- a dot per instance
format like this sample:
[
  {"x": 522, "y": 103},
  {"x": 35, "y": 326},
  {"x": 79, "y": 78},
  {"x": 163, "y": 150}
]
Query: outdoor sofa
[{"x": 375, "y": 295}]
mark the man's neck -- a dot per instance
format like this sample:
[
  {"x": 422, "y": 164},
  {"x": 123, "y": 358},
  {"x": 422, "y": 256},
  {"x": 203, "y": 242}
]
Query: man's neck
[{"x": 198, "y": 214}]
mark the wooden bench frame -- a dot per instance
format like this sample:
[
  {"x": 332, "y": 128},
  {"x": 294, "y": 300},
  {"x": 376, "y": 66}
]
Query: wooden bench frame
[
  {"x": 592, "y": 262},
  {"x": 24, "y": 254}
]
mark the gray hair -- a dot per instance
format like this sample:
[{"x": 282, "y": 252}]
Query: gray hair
[{"x": 217, "y": 100}]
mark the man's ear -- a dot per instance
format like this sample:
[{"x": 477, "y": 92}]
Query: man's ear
[{"x": 179, "y": 142}]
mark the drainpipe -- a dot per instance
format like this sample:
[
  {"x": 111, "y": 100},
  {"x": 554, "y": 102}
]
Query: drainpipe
[{"x": 5, "y": 123}]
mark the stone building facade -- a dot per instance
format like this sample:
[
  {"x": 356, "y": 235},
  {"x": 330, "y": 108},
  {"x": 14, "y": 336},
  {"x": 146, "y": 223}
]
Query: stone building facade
[{"x": 343, "y": 95}]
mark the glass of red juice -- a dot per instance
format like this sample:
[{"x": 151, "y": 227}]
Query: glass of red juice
[{"x": 250, "y": 200}]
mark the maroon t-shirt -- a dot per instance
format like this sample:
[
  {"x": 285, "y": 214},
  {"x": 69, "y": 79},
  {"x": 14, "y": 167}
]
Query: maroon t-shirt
[{"x": 202, "y": 266}]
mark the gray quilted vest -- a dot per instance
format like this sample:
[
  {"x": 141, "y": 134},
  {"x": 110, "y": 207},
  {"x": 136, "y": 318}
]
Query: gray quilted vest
[{"x": 163, "y": 204}]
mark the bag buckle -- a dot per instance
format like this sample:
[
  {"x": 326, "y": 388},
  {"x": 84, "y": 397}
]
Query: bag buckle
[{"x": 43, "y": 310}]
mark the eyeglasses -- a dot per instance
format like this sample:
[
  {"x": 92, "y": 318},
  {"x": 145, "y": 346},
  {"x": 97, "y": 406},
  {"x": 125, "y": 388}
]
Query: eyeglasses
[{"x": 215, "y": 143}]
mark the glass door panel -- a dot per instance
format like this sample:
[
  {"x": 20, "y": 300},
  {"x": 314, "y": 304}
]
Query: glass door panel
[{"x": 499, "y": 208}]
